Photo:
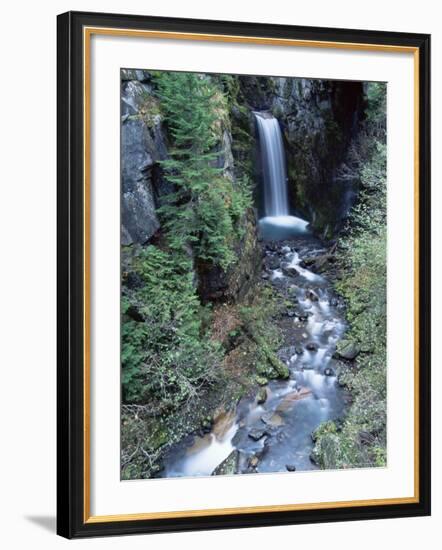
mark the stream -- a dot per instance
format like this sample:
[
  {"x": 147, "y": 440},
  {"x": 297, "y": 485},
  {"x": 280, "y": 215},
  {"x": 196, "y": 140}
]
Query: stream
[
  {"x": 276, "y": 435},
  {"x": 272, "y": 431}
]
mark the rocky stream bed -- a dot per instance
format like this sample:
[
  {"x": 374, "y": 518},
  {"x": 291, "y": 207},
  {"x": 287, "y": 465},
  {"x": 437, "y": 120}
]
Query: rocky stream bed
[{"x": 273, "y": 430}]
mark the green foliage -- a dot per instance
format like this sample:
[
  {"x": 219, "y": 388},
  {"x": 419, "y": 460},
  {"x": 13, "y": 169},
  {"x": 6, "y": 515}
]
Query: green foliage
[
  {"x": 170, "y": 362},
  {"x": 166, "y": 355},
  {"x": 258, "y": 324},
  {"x": 205, "y": 206},
  {"x": 376, "y": 109},
  {"x": 361, "y": 441}
]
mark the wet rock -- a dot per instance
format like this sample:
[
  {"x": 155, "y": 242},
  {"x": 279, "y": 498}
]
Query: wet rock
[
  {"x": 272, "y": 419},
  {"x": 311, "y": 295},
  {"x": 261, "y": 396},
  {"x": 308, "y": 262},
  {"x": 302, "y": 316},
  {"x": 261, "y": 453},
  {"x": 311, "y": 346},
  {"x": 290, "y": 467},
  {"x": 229, "y": 466},
  {"x": 348, "y": 350},
  {"x": 256, "y": 434},
  {"x": 265, "y": 275},
  {"x": 285, "y": 354},
  {"x": 253, "y": 461},
  {"x": 289, "y": 270},
  {"x": 223, "y": 422},
  {"x": 291, "y": 398},
  {"x": 286, "y": 249},
  {"x": 271, "y": 262},
  {"x": 334, "y": 302},
  {"x": 328, "y": 371},
  {"x": 299, "y": 350}
]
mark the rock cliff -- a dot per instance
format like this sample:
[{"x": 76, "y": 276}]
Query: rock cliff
[{"x": 319, "y": 120}]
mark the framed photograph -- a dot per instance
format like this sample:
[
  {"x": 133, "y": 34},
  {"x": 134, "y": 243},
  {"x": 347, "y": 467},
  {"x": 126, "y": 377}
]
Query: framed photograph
[{"x": 243, "y": 274}]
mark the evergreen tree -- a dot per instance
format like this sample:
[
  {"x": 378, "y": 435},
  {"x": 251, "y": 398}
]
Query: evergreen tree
[{"x": 204, "y": 207}]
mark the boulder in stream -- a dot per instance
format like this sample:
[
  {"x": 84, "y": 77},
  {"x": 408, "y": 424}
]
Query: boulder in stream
[
  {"x": 348, "y": 350},
  {"x": 291, "y": 398},
  {"x": 271, "y": 262},
  {"x": 228, "y": 466},
  {"x": 311, "y": 295},
  {"x": 289, "y": 270},
  {"x": 256, "y": 434},
  {"x": 272, "y": 419},
  {"x": 261, "y": 396}
]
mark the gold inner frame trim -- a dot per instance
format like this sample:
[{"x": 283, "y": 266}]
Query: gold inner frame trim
[{"x": 87, "y": 34}]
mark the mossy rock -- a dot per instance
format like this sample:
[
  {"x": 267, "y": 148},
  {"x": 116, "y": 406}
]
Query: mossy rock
[
  {"x": 229, "y": 466},
  {"x": 261, "y": 396},
  {"x": 348, "y": 349},
  {"x": 261, "y": 380},
  {"x": 159, "y": 437}
]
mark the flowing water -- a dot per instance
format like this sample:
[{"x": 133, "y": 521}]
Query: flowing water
[
  {"x": 273, "y": 165},
  {"x": 277, "y": 222},
  {"x": 275, "y": 434}
]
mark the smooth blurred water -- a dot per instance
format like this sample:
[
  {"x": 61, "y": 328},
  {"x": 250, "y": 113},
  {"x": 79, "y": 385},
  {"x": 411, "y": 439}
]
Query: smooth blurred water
[
  {"x": 273, "y": 164},
  {"x": 277, "y": 224},
  {"x": 278, "y": 228},
  {"x": 294, "y": 408}
]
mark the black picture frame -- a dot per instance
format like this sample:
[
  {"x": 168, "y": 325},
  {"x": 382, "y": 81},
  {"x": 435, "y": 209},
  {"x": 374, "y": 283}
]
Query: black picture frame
[{"x": 71, "y": 389}]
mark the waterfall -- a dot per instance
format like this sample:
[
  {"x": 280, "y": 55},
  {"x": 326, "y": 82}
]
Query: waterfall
[
  {"x": 277, "y": 223},
  {"x": 273, "y": 163}
]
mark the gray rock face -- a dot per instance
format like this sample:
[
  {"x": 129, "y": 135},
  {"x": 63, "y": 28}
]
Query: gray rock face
[
  {"x": 319, "y": 119},
  {"x": 133, "y": 96},
  {"x": 137, "y": 206},
  {"x": 143, "y": 145}
]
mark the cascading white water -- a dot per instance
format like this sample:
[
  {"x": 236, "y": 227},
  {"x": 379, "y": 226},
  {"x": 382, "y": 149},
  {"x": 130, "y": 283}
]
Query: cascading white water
[
  {"x": 269, "y": 436},
  {"x": 273, "y": 162},
  {"x": 277, "y": 223}
]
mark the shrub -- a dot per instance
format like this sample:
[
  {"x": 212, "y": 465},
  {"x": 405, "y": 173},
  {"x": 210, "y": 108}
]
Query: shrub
[
  {"x": 166, "y": 356},
  {"x": 361, "y": 441}
]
